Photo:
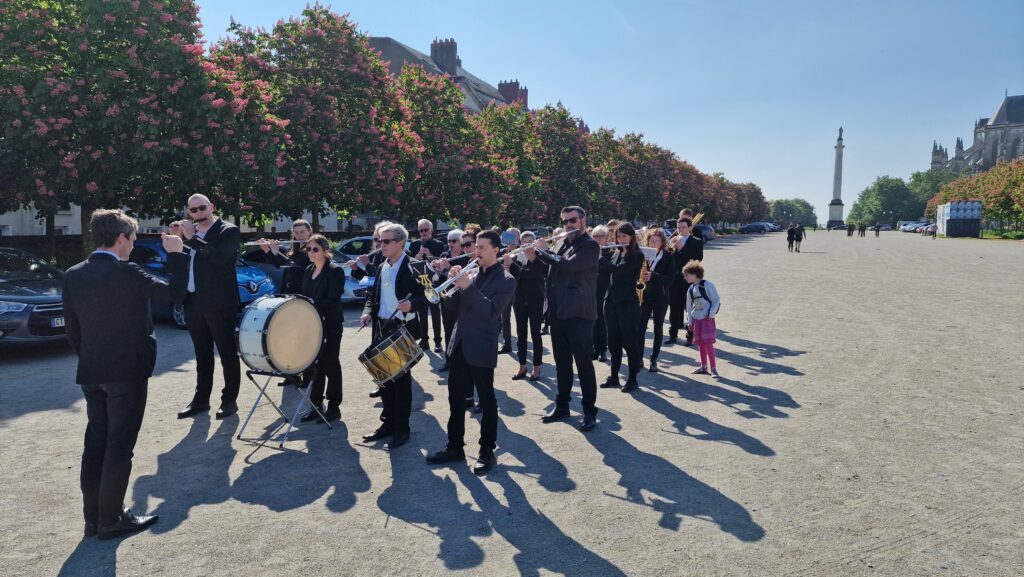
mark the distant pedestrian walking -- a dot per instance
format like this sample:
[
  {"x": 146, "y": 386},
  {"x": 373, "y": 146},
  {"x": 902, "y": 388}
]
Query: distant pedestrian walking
[
  {"x": 790, "y": 236},
  {"x": 861, "y": 229},
  {"x": 800, "y": 235},
  {"x": 877, "y": 228},
  {"x": 850, "y": 228}
]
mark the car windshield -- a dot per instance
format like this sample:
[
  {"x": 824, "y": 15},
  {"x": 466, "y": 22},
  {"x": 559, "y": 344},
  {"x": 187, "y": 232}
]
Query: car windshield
[
  {"x": 356, "y": 247},
  {"x": 21, "y": 267}
]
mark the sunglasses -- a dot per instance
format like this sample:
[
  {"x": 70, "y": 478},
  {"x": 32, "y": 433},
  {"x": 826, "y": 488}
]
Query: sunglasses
[
  {"x": 453, "y": 242},
  {"x": 468, "y": 244},
  {"x": 570, "y": 220},
  {"x": 313, "y": 249},
  {"x": 387, "y": 241},
  {"x": 200, "y": 208}
]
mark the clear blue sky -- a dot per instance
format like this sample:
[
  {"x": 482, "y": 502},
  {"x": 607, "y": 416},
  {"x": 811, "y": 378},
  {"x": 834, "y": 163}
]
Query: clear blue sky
[{"x": 755, "y": 89}]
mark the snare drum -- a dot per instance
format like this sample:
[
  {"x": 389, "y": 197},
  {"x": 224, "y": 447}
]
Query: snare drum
[
  {"x": 280, "y": 334},
  {"x": 391, "y": 356}
]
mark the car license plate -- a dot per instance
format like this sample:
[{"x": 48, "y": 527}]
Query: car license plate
[{"x": 57, "y": 322}]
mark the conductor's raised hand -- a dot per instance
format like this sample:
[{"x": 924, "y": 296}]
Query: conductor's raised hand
[{"x": 172, "y": 242}]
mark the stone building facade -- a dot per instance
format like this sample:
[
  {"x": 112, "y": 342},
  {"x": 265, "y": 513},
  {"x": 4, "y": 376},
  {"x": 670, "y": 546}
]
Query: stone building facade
[{"x": 998, "y": 138}]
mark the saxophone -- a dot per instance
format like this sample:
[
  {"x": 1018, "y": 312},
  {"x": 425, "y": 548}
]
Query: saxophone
[{"x": 640, "y": 284}]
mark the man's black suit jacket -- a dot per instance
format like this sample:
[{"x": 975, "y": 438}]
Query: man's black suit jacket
[
  {"x": 434, "y": 246},
  {"x": 108, "y": 317},
  {"x": 693, "y": 249},
  {"x": 214, "y": 267},
  {"x": 480, "y": 309},
  {"x": 407, "y": 287},
  {"x": 572, "y": 280}
]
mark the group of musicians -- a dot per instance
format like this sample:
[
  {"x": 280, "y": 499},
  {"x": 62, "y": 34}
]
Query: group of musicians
[{"x": 596, "y": 289}]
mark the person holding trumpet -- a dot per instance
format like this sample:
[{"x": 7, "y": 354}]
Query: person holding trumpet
[{"x": 472, "y": 354}]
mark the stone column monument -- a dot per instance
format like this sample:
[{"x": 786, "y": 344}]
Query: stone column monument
[{"x": 835, "y": 208}]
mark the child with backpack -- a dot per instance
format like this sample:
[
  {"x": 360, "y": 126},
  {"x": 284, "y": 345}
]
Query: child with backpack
[{"x": 702, "y": 304}]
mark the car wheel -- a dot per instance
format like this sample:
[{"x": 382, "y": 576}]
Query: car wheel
[{"x": 178, "y": 316}]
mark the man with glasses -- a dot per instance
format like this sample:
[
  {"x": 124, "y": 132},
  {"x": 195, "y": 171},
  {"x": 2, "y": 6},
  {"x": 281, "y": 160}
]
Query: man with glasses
[
  {"x": 424, "y": 249},
  {"x": 687, "y": 247},
  {"x": 211, "y": 305},
  {"x": 396, "y": 295},
  {"x": 572, "y": 284},
  {"x": 450, "y": 313},
  {"x": 451, "y": 304}
]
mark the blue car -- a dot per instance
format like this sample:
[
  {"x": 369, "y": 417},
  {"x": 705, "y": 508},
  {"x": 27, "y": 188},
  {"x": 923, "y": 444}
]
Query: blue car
[{"x": 149, "y": 253}]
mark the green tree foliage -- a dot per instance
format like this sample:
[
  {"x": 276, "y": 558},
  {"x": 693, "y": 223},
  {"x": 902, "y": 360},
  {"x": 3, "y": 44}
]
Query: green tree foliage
[
  {"x": 888, "y": 199},
  {"x": 794, "y": 210}
]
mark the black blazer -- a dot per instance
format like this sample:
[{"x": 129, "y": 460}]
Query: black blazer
[
  {"x": 433, "y": 245},
  {"x": 407, "y": 286},
  {"x": 326, "y": 290},
  {"x": 572, "y": 281},
  {"x": 657, "y": 290},
  {"x": 214, "y": 267},
  {"x": 294, "y": 272},
  {"x": 480, "y": 309},
  {"x": 531, "y": 280},
  {"x": 625, "y": 271},
  {"x": 108, "y": 317},
  {"x": 693, "y": 249}
]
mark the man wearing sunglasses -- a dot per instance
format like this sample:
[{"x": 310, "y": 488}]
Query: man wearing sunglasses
[
  {"x": 211, "y": 304},
  {"x": 424, "y": 249},
  {"x": 572, "y": 284},
  {"x": 448, "y": 312},
  {"x": 396, "y": 294}
]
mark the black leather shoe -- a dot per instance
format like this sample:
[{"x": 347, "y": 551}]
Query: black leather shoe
[
  {"x": 535, "y": 377},
  {"x": 193, "y": 408},
  {"x": 127, "y": 522},
  {"x": 476, "y": 409},
  {"x": 589, "y": 422},
  {"x": 611, "y": 383},
  {"x": 332, "y": 414},
  {"x": 226, "y": 410},
  {"x": 312, "y": 415},
  {"x": 555, "y": 414},
  {"x": 670, "y": 341},
  {"x": 438, "y": 349},
  {"x": 470, "y": 404},
  {"x": 375, "y": 393},
  {"x": 654, "y": 366},
  {"x": 603, "y": 358},
  {"x": 630, "y": 386},
  {"x": 596, "y": 355},
  {"x": 377, "y": 435},
  {"x": 425, "y": 345},
  {"x": 519, "y": 376},
  {"x": 397, "y": 440},
  {"x": 484, "y": 463},
  {"x": 446, "y": 455},
  {"x": 90, "y": 529}
]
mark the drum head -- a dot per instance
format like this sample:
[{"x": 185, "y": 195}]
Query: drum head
[{"x": 294, "y": 336}]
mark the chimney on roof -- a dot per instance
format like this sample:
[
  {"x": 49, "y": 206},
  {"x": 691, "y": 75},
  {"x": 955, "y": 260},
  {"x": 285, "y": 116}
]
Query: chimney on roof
[
  {"x": 511, "y": 91},
  {"x": 445, "y": 53}
]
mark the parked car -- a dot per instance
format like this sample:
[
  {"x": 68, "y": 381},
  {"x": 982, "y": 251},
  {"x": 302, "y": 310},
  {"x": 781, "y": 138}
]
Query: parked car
[
  {"x": 705, "y": 231},
  {"x": 355, "y": 291},
  {"x": 912, "y": 227},
  {"x": 150, "y": 255},
  {"x": 755, "y": 227},
  {"x": 31, "y": 308}
]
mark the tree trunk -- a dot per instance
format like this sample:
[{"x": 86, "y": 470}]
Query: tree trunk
[
  {"x": 315, "y": 221},
  {"x": 51, "y": 238},
  {"x": 85, "y": 217}
]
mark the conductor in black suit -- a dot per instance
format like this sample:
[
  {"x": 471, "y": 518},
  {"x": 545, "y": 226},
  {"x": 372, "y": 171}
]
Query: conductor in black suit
[
  {"x": 110, "y": 327},
  {"x": 472, "y": 355},
  {"x": 687, "y": 247},
  {"x": 428, "y": 247},
  {"x": 211, "y": 305},
  {"x": 395, "y": 288},
  {"x": 572, "y": 283}
]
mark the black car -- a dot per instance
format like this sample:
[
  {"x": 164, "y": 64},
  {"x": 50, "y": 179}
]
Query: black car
[
  {"x": 31, "y": 307},
  {"x": 757, "y": 227}
]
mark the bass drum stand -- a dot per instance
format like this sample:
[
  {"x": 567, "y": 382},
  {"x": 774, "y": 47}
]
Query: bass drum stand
[{"x": 303, "y": 401}]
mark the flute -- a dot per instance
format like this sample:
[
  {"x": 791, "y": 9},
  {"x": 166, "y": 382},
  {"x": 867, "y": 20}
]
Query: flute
[{"x": 283, "y": 242}]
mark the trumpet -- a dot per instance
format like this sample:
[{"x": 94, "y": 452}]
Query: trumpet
[
  {"x": 448, "y": 289},
  {"x": 547, "y": 239}
]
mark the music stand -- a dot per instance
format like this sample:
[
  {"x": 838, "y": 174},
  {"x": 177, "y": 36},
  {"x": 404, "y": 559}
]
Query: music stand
[{"x": 304, "y": 400}]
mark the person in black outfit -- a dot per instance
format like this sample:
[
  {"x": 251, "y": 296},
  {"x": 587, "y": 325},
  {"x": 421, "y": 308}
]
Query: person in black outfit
[
  {"x": 472, "y": 352},
  {"x": 110, "y": 327},
  {"x": 790, "y": 236},
  {"x": 531, "y": 276},
  {"x": 211, "y": 305},
  {"x": 686, "y": 247},
  {"x": 572, "y": 283},
  {"x": 365, "y": 265},
  {"x": 323, "y": 282},
  {"x": 622, "y": 307},
  {"x": 468, "y": 246},
  {"x": 656, "y": 294},
  {"x": 449, "y": 310},
  {"x": 428, "y": 248},
  {"x": 510, "y": 239},
  {"x": 798, "y": 237},
  {"x": 600, "y": 234},
  {"x": 395, "y": 288}
]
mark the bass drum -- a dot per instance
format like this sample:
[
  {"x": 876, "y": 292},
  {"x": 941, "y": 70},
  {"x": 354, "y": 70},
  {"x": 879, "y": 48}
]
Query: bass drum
[{"x": 280, "y": 334}]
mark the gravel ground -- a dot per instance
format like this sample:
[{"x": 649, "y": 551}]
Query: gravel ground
[{"x": 868, "y": 422}]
